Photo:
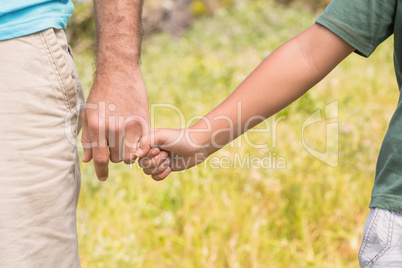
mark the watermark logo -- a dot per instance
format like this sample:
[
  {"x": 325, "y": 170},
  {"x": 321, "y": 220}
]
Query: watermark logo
[
  {"x": 231, "y": 128},
  {"x": 331, "y": 113}
]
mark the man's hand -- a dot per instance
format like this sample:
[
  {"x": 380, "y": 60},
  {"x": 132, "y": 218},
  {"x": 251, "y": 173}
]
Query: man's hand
[
  {"x": 114, "y": 122},
  {"x": 116, "y": 114}
]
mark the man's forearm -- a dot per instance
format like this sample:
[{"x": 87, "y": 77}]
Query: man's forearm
[
  {"x": 119, "y": 116},
  {"x": 119, "y": 33}
]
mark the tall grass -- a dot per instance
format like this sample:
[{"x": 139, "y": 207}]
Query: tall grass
[{"x": 307, "y": 214}]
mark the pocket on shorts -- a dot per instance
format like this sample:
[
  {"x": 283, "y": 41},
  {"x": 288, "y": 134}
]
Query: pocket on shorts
[
  {"x": 61, "y": 59},
  {"x": 377, "y": 236},
  {"x": 79, "y": 94}
]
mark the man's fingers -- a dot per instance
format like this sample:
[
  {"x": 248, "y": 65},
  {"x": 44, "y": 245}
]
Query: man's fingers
[
  {"x": 87, "y": 155},
  {"x": 100, "y": 153},
  {"x": 116, "y": 144},
  {"x": 135, "y": 127},
  {"x": 101, "y": 162},
  {"x": 141, "y": 149},
  {"x": 129, "y": 150},
  {"x": 86, "y": 141}
]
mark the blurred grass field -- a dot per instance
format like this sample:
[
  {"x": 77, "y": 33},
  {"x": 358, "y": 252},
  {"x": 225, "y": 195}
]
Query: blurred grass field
[{"x": 307, "y": 214}]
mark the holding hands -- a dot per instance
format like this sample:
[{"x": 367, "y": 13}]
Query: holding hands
[
  {"x": 280, "y": 79},
  {"x": 172, "y": 150}
]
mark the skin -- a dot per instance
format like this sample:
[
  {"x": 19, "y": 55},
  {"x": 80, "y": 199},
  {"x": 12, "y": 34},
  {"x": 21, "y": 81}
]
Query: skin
[
  {"x": 284, "y": 76},
  {"x": 116, "y": 115}
]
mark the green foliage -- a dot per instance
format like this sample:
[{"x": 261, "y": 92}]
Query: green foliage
[
  {"x": 198, "y": 8},
  {"x": 207, "y": 7},
  {"x": 81, "y": 28},
  {"x": 314, "y": 4},
  {"x": 307, "y": 214}
]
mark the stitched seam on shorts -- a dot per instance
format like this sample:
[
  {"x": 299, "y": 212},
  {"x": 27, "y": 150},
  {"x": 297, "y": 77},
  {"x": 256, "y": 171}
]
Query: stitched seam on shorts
[
  {"x": 367, "y": 234},
  {"x": 389, "y": 239},
  {"x": 347, "y": 32},
  {"x": 53, "y": 62}
]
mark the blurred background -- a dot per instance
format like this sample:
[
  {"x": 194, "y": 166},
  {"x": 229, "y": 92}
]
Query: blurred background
[{"x": 296, "y": 211}]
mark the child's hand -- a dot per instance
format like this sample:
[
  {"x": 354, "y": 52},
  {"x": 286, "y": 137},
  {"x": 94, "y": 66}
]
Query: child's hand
[
  {"x": 156, "y": 163},
  {"x": 183, "y": 148}
]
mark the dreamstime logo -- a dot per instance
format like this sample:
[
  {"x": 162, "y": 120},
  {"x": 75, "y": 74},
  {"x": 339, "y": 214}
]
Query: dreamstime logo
[{"x": 328, "y": 116}]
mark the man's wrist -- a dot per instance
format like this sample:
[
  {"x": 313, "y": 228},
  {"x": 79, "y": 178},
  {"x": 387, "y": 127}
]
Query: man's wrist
[{"x": 107, "y": 73}]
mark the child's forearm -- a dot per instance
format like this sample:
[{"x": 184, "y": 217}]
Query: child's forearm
[{"x": 279, "y": 80}]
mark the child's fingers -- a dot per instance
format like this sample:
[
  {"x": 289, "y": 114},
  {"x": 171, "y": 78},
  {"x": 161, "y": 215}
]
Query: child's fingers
[
  {"x": 159, "y": 169},
  {"x": 152, "y": 153},
  {"x": 144, "y": 151},
  {"x": 144, "y": 147},
  {"x": 153, "y": 162},
  {"x": 163, "y": 175}
]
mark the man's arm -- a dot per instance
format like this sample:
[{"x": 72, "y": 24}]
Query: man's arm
[
  {"x": 279, "y": 80},
  {"x": 116, "y": 114}
]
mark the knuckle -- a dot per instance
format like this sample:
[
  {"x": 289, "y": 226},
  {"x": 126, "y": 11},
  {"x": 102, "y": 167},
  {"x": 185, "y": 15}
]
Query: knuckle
[
  {"x": 95, "y": 125},
  {"x": 101, "y": 160},
  {"x": 148, "y": 171},
  {"x": 166, "y": 163},
  {"x": 149, "y": 164},
  {"x": 156, "y": 170},
  {"x": 132, "y": 124}
]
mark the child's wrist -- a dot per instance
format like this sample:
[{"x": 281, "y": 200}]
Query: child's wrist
[{"x": 199, "y": 139}]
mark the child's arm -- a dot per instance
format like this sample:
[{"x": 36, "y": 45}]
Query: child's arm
[{"x": 280, "y": 79}]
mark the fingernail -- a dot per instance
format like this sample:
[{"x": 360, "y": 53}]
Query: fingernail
[
  {"x": 166, "y": 163},
  {"x": 164, "y": 156},
  {"x": 138, "y": 152},
  {"x": 103, "y": 179},
  {"x": 154, "y": 151}
]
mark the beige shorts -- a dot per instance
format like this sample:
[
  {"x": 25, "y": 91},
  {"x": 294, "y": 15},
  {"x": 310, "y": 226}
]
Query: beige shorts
[{"x": 39, "y": 168}]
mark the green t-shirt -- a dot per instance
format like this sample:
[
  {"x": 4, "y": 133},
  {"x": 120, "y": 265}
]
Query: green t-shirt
[{"x": 364, "y": 24}]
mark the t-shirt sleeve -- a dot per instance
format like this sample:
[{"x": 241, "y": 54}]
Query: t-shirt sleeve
[{"x": 364, "y": 24}]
